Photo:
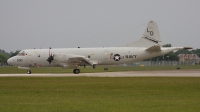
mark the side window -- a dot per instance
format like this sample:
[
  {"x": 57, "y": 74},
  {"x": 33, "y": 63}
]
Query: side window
[{"x": 23, "y": 54}]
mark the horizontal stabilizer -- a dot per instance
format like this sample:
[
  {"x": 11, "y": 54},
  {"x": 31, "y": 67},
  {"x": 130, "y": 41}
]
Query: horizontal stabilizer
[
  {"x": 154, "y": 48},
  {"x": 180, "y": 48}
]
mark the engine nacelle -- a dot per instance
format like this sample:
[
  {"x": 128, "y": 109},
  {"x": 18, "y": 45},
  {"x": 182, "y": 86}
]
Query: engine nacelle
[{"x": 60, "y": 58}]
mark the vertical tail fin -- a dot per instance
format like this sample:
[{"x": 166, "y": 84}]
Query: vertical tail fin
[{"x": 150, "y": 37}]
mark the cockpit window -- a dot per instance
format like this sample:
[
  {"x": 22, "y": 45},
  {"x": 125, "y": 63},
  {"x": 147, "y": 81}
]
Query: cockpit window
[{"x": 21, "y": 53}]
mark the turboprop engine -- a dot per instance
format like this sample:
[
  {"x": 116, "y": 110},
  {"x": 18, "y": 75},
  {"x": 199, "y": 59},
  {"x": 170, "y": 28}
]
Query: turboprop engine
[{"x": 60, "y": 58}]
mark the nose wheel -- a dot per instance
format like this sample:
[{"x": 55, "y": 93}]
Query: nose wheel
[
  {"x": 28, "y": 72},
  {"x": 76, "y": 71}
]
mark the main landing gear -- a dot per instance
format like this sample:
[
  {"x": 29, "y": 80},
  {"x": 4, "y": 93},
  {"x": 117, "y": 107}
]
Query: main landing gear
[
  {"x": 76, "y": 71},
  {"x": 28, "y": 72}
]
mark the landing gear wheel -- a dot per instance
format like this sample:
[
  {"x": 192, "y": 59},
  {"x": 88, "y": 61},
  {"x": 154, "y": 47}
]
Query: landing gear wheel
[
  {"x": 28, "y": 72},
  {"x": 76, "y": 71}
]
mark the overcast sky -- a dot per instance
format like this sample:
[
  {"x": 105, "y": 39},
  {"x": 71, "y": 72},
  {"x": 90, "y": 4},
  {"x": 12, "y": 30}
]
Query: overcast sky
[{"x": 27, "y": 24}]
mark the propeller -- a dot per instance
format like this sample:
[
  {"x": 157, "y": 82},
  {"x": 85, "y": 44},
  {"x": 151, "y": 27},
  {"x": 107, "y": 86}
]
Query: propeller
[{"x": 50, "y": 58}]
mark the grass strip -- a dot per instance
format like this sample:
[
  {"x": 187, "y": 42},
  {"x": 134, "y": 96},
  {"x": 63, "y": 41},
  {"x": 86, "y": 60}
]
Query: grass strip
[
  {"x": 13, "y": 70},
  {"x": 97, "y": 94}
]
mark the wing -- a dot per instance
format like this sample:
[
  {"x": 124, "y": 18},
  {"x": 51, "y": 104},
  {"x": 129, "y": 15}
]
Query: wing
[
  {"x": 72, "y": 60},
  {"x": 80, "y": 61}
]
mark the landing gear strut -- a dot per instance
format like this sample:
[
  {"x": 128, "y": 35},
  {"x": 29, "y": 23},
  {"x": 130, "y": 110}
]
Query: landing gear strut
[
  {"x": 76, "y": 71},
  {"x": 94, "y": 66},
  {"x": 28, "y": 72}
]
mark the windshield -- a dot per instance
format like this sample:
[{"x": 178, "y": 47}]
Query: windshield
[{"x": 21, "y": 53}]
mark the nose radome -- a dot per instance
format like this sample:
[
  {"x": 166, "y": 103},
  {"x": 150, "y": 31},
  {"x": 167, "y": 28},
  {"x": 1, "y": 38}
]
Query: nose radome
[{"x": 9, "y": 61}]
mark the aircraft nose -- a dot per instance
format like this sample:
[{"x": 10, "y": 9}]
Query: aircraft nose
[{"x": 10, "y": 61}]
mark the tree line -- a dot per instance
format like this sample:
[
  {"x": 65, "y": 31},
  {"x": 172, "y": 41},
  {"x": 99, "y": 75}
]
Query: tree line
[{"x": 5, "y": 55}]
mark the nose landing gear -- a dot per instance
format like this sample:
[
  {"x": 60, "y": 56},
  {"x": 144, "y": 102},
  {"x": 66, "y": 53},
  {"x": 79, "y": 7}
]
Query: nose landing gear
[{"x": 28, "y": 72}]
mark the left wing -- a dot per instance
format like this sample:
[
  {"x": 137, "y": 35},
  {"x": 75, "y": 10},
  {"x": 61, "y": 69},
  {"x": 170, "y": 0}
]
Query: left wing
[
  {"x": 79, "y": 61},
  {"x": 70, "y": 59}
]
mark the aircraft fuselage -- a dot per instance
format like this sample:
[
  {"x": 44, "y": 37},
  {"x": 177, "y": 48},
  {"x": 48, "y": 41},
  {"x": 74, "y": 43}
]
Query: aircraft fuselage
[{"x": 99, "y": 56}]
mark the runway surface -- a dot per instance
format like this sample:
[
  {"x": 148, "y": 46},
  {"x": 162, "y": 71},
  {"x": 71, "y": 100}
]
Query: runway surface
[{"x": 170, "y": 73}]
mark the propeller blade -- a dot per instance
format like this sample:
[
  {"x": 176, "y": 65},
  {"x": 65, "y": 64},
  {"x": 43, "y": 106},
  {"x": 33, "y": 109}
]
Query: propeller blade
[{"x": 50, "y": 58}]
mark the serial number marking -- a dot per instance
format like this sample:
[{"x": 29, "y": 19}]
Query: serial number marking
[{"x": 19, "y": 60}]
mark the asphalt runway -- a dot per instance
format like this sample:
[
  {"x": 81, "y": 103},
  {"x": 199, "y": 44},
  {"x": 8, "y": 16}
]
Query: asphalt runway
[{"x": 170, "y": 73}]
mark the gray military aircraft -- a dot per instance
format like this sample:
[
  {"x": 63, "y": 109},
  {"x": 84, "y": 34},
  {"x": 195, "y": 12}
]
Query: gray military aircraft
[{"x": 148, "y": 46}]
